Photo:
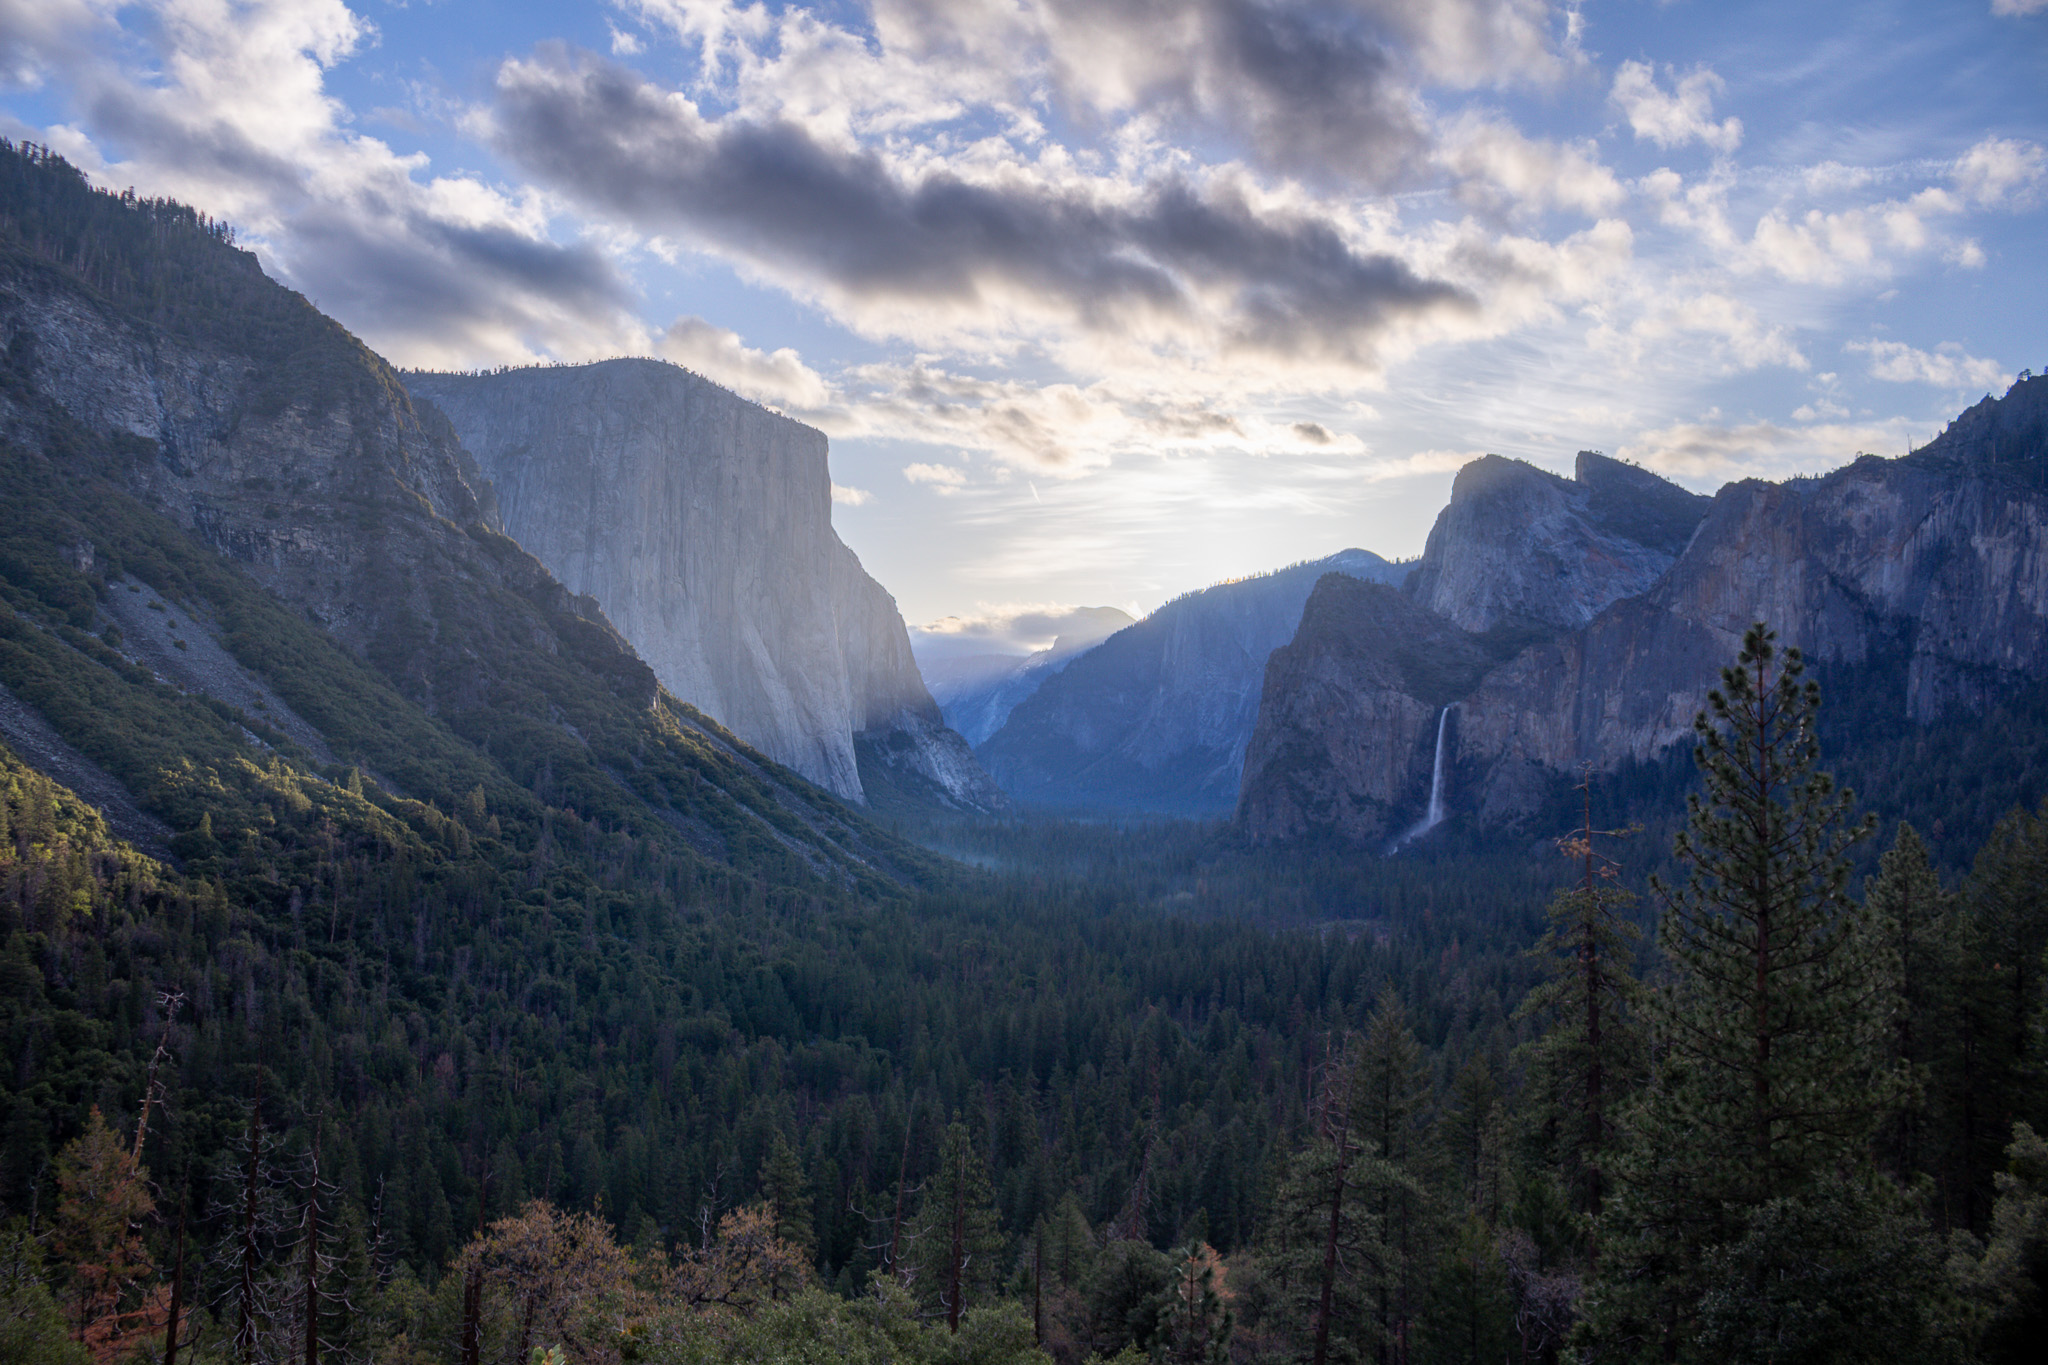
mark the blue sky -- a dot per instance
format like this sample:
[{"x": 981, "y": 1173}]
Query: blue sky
[{"x": 1103, "y": 300}]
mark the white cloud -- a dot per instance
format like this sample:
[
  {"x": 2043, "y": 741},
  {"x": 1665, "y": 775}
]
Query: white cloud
[
  {"x": 2017, "y": 8},
  {"x": 1685, "y": 114},
  {"x": 1711, "y": 452},
  {"x": 2000, "y": 168},
  {"x": 779, "y": 378},
  {"x": 1947, "y": 366},
  {"x": 942, "y": 478},
  {"x": 1735, "y": 334},
  {"x": 1497, "y": 164},
  {"x": 1013, "y": 628},
  {"x": 851, "y": 497}
]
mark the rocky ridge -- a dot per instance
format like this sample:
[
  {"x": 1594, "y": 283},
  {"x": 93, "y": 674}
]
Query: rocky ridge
[{"x": 1937, "y": 560}]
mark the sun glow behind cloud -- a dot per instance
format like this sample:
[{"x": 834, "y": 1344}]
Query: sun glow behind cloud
[{"x": 1095, "y": 304}]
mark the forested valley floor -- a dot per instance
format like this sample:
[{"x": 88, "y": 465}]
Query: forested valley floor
[{"x": 370, "y": 1080}]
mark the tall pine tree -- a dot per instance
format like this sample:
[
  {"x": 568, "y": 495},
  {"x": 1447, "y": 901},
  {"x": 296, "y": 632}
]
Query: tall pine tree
[{"x": 1750, "y": 1222}]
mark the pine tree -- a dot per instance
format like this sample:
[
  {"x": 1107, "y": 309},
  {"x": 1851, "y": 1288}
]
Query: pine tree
[
  {"x": 2002, "y": 936},
  {"x": 1591, "y": 1052},
  {"x": 1388, "y": 1119},
  {"x": 1915, "y": 921},
  {"x": 1749, "y": 1221},
  {"x": 104, "y": 1200},
  {"x": 957, "y": 1248},
  {"x": 782, "y": 1187}
]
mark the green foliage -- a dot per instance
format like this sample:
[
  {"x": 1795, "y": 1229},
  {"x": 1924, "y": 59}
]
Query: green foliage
[
  {"x": 32, "y": 1329},
  {"x": 815, "y": 1328}
]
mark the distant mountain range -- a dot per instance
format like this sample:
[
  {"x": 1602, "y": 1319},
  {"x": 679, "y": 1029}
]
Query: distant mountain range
[
  {"x": 1554, "y": 624},
  {"x": 1157, "y": 716},
  {"x": 977, "y": 692}
]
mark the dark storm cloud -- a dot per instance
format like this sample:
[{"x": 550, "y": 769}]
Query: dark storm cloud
[
  {"x": 1315, "y": 89},
  {"x": 369, "y": 248},
  {"x": 1325, "y": 89},
  {"x": 847, "y": 222}
]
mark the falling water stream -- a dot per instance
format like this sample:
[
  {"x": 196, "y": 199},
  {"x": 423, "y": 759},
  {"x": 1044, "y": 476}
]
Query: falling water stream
[{"x": 1435, "y": 814}]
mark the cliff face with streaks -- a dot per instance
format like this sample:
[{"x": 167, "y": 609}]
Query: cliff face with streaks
[
  {"x": 703, "y": 525},
  {"x": 1939, "y": 558}
]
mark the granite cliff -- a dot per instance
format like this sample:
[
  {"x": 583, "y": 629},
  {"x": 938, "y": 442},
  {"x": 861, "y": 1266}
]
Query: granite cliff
[
  {"x": 1929, "y": 571},
  {"x": 702, "y": 523},
  {"x": 1156, "y": 717}
]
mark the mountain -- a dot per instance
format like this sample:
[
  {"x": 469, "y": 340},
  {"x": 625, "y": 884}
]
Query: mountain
[
  {"x": 1520, "y": 546},
  {"x": 977, "y": 692},
  {"x": 702, "y": 524},
  {"x": 1156, "y": 717},
  {"x": 250, "y": 585},
  {"x": 1921, "y": 580}
]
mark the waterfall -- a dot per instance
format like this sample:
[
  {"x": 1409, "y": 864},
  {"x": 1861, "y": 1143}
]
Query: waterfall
[
  {"x": 1436, "y": 777},
  {"x": 1434, "y": 815}
]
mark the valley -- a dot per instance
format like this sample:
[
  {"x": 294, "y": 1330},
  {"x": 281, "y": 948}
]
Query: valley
[{"x": 483, "y": 870}]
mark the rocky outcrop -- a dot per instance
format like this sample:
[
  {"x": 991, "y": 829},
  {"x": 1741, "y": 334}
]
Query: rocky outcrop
[
  {"x": 1347, "y": 732},
  {"x": 976, "y": 693},
  {"x": 1156, "y": 718},
  {"x": 1520, "y": 546},
  {"x": 703, "y": 525},
  {"x": 1937, "y": 561}
]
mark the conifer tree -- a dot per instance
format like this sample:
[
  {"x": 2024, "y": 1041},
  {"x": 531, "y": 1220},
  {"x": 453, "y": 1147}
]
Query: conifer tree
[
  {"x": 1591, "y": 1052},
  {"x": 957, "y": 1247},
  {"x": 104, "y": 1200},
  {"x": 1749, "y": 1222},
  {"x": 1914, "y": 919},
  {"x": 782, "y": 1187}
]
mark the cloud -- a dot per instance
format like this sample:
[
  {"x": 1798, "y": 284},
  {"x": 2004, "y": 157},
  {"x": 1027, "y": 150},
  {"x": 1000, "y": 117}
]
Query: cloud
[
  {"x": 1329, "y": 89},
  {"x": 225, "y": 106},
  {"x": 2000, "y": 168},
  {"x": 942, "y": 252},
  {"x": 2017, "y": 8},
  {"x": 1497, "y": 165},
  {"x": 1711, "y": 452},
  {"x": 1947, "y": 366},
  {"x": 1735, "y": 335},
  {"x": 1674, "y": 119},
  {"x": 942, "y": 478},
  {"x": 1315, "y": 433},
  {"x": 851, "y": 497},
  {"x": 1014, "y": 628},
  {"x": 779, "y": 378},
  {"x": 1815, "y": 246}
]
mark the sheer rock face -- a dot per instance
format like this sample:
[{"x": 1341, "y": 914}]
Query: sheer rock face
[
  {"x": 703, "y": 524},
  {"x": 1939, "y": 559},
  {"x": 1157, "y": 716},
  {"x": 1521, "y": 546}
]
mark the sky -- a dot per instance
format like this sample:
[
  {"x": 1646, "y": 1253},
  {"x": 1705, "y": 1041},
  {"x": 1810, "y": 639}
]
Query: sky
[{"x": 1101, "y": 301}]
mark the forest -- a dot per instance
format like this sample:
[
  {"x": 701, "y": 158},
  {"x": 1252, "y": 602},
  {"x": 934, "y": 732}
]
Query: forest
[{"x": 382, "y": 1086}]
